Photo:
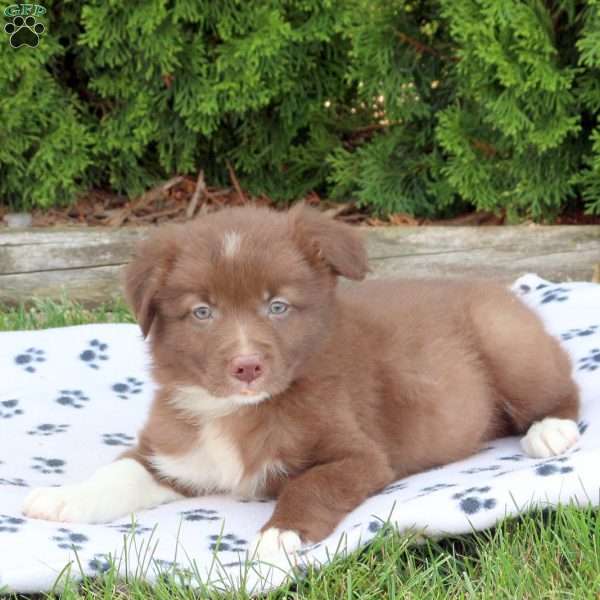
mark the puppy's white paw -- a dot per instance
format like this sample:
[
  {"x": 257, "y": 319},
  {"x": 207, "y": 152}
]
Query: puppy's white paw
[
  {"x": 276, "y": 546},
  {"x": 550, "y": 437}
]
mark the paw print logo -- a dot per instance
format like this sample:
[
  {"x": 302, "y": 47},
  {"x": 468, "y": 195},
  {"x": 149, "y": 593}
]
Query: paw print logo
[
  {"x": 582, "y": 426},
  {"x": 481, "y": 469},
  {"x": 10, "y": 524},
  {"x": 16, "y": 482},
  {"x": 47, "y": 429},
  {"x": 100, "y": 563},
  {"x": 553, "y": 466},
  {"x": 72, "y": 398},
  {"x": 556, "y": 294},
  {"x": 227, "y": 543},
  {"x": 430, "y": 489},
  {"x": 117, "y": 439},
  {"x": 131, "y": 528},
  {"x": 48, "y": 465},
  {"x": 130, "y": 386},
  {"x": 513, "y": 457},
  {"x": 69, "y": 540},
  {"x": 24, "y": 31},
  {"x": 200, "y": 514},
  {"x": 590, "y": 362},
  {"x": 10, "y": 409},
  {"x": 94, "y": 353},
  {"x": 472, "y": 500},
  {"x": 575, "y": 333},
  {"x": 28, "y": 359}
]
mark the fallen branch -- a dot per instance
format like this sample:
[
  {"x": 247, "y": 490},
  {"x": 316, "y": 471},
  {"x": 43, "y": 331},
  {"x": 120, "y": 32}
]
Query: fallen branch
[
  {"x": 199, "y": 192},
  {"x": 236, "y": 183}
]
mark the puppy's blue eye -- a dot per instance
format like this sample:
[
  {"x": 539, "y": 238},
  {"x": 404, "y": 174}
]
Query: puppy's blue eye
[
  {"x": 202, "y": 312},
  {"x": 278, "y": 307}
]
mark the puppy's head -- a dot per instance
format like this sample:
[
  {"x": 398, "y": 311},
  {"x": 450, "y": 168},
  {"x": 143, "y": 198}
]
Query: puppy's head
[{"x": 235, "y": 302}]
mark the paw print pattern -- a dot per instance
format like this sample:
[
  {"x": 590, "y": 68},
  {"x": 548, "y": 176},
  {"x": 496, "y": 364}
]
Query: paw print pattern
[
  {"x": 117, "y": 439},
  {"x": 227, "y": 543},
  {"x": 575, "y": 333},
  {"x": 24, "y": 32},
  {"x": 555, "y": 294},
  {"x": 9, "y": 409},
  {"x": 471, "y": 500},
  {"x": 553, "y": 466},
  {"x": 590, "y": 362},
  {"x": 27, "y": 361},
  {"x": 514, "y": 457},
  {"x": 130, "y": 386},
  {"x": 430, "y": 489},
  {"x": 16, "y": 482},
  {"x": 94, "y": 353},
  {"x": 582, "y": 426},
  {"x": 481, "y": 469},
  {"x": 47, "y": 429},
  {"x": 69, "y": 540},
  {"x": 131, "y": 528},
  {"x": 48, "y": 465},
  {"x": 394, "y": 487},
  {"x": 10, "y": 524},
  {"x": 72, "y": 398},
  {"x": 100, "y": 563},
  {"x": 200, "y": 514}
]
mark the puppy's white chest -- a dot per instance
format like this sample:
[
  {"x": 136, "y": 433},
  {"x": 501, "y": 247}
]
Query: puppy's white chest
[{"x": 214, "y": 464}]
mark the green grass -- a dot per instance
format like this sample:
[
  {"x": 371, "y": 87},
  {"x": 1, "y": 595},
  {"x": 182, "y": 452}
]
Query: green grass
[{"x": 544, "y": 555}]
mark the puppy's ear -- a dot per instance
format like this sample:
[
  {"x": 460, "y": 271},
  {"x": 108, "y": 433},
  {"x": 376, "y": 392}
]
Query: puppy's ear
[
  {"x": 324, "y": 241},
  {"x": 146, "y": 274}
]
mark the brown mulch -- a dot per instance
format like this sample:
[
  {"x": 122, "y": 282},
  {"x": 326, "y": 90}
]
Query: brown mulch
[{"x": 184, "y": 197}]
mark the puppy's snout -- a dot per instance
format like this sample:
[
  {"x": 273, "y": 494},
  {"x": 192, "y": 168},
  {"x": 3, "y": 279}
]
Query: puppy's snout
[{"x": 246, "y": 367}]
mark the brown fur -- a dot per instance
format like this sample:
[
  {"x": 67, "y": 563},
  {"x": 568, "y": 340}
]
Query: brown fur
[{"x": 368, "y": 383}]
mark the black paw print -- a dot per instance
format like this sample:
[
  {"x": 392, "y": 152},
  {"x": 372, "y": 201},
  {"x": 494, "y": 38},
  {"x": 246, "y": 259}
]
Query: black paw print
[
  {"x": 10, "y": 409},
  {"x": 72, "y": 398},
  {"x": 117, "y": 439},
  {"x": 70, "y": 540},
  {"x": 227, "y": 543},
  {"x": 524, "y": 289},
  {"x": 590, "y": 362},
  {"x": 131, "y": 528},
  {"x": 573, "y": 333},
  {"x": 131, "y": 386},
  {"x": 48, "y": 465},
  {"x": 95, "y": 352},
  {"x": 582, "y": 426},
  {"x": 472, "y": 502},
  {"x": 24, "y": 32},
  {"x": 28, "y": 359},
  {"x": 514, "y": 457},
  {"x": 553, "y": 466},
  {"x": 10, "y": 524},
  {"x": 481, "y": 469},
  {"x": 200, "y": 514},
  {"x": 47, "y": 429},
  {"x": 435, "y": 488},
  {"x": 556, "y": 294},
  {"x": 394, "y": 487},
  {"x": 17, "y": 482},
  {"x": 100, "y": 563}
]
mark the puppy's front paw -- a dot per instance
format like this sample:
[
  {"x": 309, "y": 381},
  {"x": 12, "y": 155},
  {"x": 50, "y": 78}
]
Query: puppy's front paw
[
  {"x": 276, "y": 546},
  {"x": 550, "y": 437},
  {"x": 80, "y": 503}
]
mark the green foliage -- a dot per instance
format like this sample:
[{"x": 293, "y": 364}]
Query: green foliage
[{"x": 416, "y": 106}]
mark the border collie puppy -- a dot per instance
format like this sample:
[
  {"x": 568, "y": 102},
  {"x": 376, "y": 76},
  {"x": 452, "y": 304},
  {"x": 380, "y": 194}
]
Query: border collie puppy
[{"x": 274, "y": 382}]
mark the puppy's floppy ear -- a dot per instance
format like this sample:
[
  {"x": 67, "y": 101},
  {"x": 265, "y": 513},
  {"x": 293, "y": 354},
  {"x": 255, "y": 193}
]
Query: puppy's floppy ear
[
  {"x": 146, "y": 273},
  {"x": 327, "y": 242}
]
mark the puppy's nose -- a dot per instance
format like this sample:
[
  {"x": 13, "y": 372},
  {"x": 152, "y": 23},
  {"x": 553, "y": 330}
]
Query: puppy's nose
[{"x": 246, "y": 367}]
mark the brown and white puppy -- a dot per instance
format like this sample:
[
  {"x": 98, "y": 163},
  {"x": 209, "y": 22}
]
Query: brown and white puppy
[{"x": 274, "y": 382}]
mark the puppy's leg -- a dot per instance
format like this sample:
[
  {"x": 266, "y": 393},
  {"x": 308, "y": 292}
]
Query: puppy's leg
[
  {"x": 113, "y": 491},
  {"x": 532, "y": 374},
  {"x": 311, "y": 505}
]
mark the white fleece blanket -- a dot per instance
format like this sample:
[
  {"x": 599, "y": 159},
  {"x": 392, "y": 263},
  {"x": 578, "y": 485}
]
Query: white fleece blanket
[{"x": 72, "y": 399}]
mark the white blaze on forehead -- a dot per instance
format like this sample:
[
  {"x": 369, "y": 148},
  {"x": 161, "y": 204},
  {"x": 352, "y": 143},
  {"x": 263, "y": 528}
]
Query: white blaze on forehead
[{"x": 231, "y": 243}]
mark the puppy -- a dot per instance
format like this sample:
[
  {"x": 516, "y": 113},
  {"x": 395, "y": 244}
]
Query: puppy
[{"x": 275, "y": 383}]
